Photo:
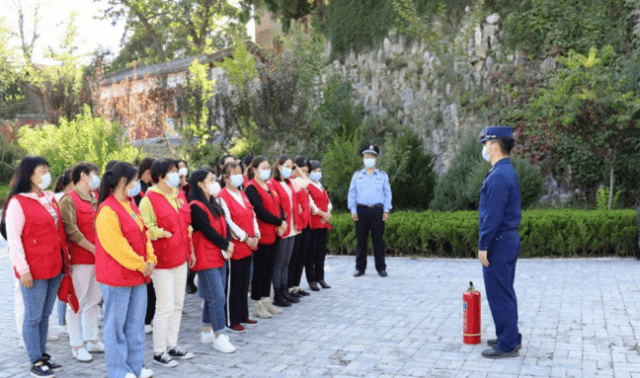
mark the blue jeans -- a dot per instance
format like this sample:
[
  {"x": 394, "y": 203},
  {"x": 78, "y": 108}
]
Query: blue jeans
[
  {"x": 62, "y": 310},
  {"x": 125, "y": 309},
  {"x": 38, "y": 304},
  {"x": 212, "y": 288}
]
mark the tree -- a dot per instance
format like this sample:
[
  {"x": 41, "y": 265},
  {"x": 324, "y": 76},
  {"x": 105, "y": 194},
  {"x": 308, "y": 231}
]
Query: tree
[
  {"x": 586, "y": 99},
  {"x": 158, "y": 31},
  {"x": 84, "y": 138},
  {"x": 10, "y": 91},
  {"x": 27, "y": 38},
  {"x": 288, "y": 10}
]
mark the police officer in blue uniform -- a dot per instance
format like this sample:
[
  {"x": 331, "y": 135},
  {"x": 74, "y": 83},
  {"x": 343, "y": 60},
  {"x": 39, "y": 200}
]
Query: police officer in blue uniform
[
  {"x": 499, "y": 241},
  {"x": 369, "y": 201}
]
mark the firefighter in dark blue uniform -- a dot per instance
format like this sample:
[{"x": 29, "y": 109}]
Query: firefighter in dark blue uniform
[
  {"x": 369, "y": 201},
  {"x": 499, "y": 241}
]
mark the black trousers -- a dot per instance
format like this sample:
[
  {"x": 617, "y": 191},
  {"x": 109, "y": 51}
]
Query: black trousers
[
  {"x": 299, "y": 257},
  {"x": 370, "y": 219},
  {"x": 263, "y": 261},
  {"x": 238, "y": 276},
  {"x": 151, "y": 304},
  {"x": 314, "y": 266}
]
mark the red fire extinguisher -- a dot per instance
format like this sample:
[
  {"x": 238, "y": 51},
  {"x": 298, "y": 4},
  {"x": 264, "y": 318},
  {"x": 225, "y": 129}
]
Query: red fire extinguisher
[{"x": 471, "y": 313}]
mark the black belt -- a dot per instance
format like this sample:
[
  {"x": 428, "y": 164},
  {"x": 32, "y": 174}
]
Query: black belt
[{"x": 379, "y": 205}]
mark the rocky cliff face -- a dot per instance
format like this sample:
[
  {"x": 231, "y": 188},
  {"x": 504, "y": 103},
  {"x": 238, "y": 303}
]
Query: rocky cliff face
[{"x": 404, "y": 79}]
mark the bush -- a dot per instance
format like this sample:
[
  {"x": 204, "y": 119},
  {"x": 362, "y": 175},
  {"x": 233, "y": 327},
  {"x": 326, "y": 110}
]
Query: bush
[
  {"x": 529, "y": 177},
  {"x": 84, "y": 138},
  {"x": 450, "y": 193},
  {"x": 543, "y": 233},
  {"x": 340, "y": 162},
  {"x": 410, "y": 171}
]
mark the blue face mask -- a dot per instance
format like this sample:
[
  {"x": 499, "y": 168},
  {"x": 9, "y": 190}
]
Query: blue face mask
[
  {"x": 95, "y": 182},
  {"x": 173, "y": 179},
  {"x": 315, "y": 176},
  {"x": 286, "y": 172},
  {"x": 135, "y": 191},
  {"x": 265, "y": 174}
]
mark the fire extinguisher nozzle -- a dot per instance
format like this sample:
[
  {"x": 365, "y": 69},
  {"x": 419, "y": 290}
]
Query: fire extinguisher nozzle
[{"x": 471, "y": 288}]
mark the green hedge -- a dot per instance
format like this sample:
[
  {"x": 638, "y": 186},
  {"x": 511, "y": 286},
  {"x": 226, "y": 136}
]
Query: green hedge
[{"x": 560, "y": 233}]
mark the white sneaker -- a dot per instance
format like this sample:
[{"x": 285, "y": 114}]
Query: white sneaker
[
  {"x": 148, "y": 328},
  {"x": 95, "y": 348},
  {"x": 81, "y": 355},
  {"x": 130, "y": 375},
  {"x": 207, "y": 337},
  {"x": 146, "y": 373},
  {"x": 223, "y": 345}
]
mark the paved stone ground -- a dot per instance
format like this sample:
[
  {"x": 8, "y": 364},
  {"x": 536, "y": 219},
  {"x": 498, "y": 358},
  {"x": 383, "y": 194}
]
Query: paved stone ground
[{"x": 578, "y": 318}]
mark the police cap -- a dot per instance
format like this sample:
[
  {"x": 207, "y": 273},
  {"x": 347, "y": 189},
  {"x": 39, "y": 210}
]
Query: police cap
[{"x": 496, "y": 133}]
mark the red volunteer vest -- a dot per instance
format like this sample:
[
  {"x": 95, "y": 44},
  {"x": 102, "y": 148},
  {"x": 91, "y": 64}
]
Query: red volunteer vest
[
  {"x": 283, "y": 198},
  {"x": 174, "y": 251},
  {"x": 208, "y": 255},
  {"x": 303, "y": 213},
  {"x": 108, "y": 270},
  {"x": 243, "y": 218},
  {"x": 43, "y": 240},
  {"x": 85, "y": 215},
  {"x": 268, "y": 231},
  {"x": 321, "y": 199},
  {"x": 245, "y": 181}
]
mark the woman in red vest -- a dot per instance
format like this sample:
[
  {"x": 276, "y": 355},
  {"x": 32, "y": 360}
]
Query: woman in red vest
[
  {"x": 271, "y": 223},
  {"x": 246, "y": 234},
  {"x": 166, "y": 213},
  {"x": 321, "y": 216},
  {"x": 301, "y": 244},
  {"x": 78, "y": 209},
  {"x": 37, "y": 249},
  {"x": 286, "y": 190},
  {"x": 124, "y": 263},
  {"x": 212, "y": 245}
]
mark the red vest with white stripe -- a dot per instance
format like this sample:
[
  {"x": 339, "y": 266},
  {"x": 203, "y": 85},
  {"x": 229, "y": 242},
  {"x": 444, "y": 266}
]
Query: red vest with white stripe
[
  {"x": 286, "y": 203},
  {"x": 267, "y": 231},
  {"x": 321, "y": 199},
  {"x": 43, "y": 240},
  {"x": 108, "y": 270},
  {"x": 208, "y": 255},
  {"x": 243, "y": 218},
  {"x": 85, "y": 216},
  {"x": 174, "y": 251}
]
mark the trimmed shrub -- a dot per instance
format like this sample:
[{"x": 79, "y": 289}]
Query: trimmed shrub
[{"x": 543, "y": 233}]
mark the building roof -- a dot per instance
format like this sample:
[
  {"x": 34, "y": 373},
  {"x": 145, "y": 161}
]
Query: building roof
[{"x": 174, "y": 66}]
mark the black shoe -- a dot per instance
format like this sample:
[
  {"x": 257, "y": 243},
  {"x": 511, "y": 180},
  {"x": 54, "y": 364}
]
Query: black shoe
[
  {"x": 49, "y": 362},
  {"x": 358, "y": 273},
  {"x": 383, "y": 273},
  {"x": 177, "y": 352},
  {"x": 279, "y": 299},
  {"x": 324, "y": 284},
  {"x": 289, "y": 297},
  {"x": 191, "y": 288},
  {"x": 303, "y": 293},
  {"x": 295, "y": 294},
  {"x": 313, "y": 286},
  {"x": 494, "y": 342},
  {"x": 495, "y": 353},
  {"x": 40, "y": 369}
]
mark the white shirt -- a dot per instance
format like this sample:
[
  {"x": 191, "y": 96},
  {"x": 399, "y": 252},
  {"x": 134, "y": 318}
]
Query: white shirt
[{"x": 314, "y": 208}]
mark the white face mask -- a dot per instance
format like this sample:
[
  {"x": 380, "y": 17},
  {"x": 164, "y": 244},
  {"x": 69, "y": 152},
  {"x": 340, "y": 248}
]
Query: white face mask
[
  {"x": 265, "y": 174},
  {"x": 286, "y": 172},
  {"x": 369, "y": 162},
  {"x": 315, "y": 176},
  {"x": 173, "y": 179},
  {"x": 237, "y": 180},
  {"x": 214, "y": 188},
  {"x": 46, "y": 181},
  {"x": 183, "y": 171},
  {"x": 95, "y": 182},
  {"x": 485, "y": 154}
]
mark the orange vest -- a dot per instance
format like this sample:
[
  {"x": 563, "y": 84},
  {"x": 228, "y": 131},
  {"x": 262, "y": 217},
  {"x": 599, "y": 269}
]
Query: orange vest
[
  {"x": 243, "y": 218},
  {"x": 85, "y": 215},
  {"x": 108, "y": 270},
  {"x": 208, "y": 255},
  {"x": 43, "y": 240},
  {"x": 174, "y": 251}
]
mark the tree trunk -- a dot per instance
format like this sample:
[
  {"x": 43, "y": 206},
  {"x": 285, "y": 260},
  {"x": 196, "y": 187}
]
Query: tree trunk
[{"x": 611, "y": 181}]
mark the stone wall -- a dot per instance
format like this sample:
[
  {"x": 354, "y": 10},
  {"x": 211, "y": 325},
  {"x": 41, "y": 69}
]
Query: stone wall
[{"x": 402, "y": 78}]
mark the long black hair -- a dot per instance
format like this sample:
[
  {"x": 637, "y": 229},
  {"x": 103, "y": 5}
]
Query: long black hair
[
  {"x": 196, "y": 194},
  {"x": 24, "y": 172},
  {"x": 111, "y": 178},
  {"x": 63, "y": 180}
]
